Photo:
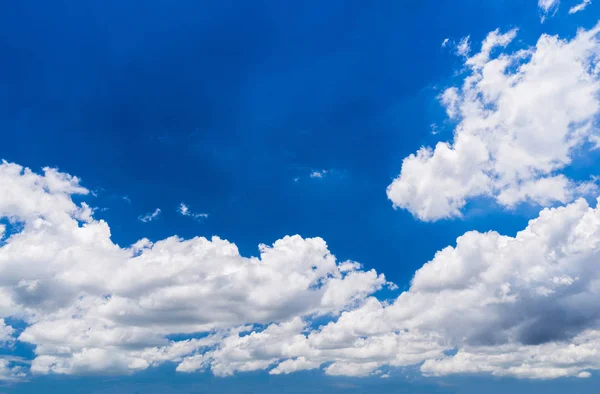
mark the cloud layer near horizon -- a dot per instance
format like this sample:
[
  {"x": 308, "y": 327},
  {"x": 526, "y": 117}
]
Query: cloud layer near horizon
[{"x": 523, "y": 306}]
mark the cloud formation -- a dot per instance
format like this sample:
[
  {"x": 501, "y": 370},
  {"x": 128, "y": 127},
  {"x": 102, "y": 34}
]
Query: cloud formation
[
  {"x": 150, "y": 216},
  {"x": 522, "y": 306},
  {"x": 580, "y": 7},
  {"x": 318, "y": 173},
  {"x": 184, "y": 210},
  {"x": 522, "y": 117},
  {"x": 548, "y": 8}
]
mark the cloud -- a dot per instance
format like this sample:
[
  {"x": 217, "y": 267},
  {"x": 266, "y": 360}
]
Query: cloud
[
  {"x": 523, "y": 306},
  {"x": 6, "y": 332},
  {"x": 461, "y": 48},
  {"x": 522, "y": 116},
  {"x": 548, "y": 8},
  {"x": 580, "y": 7},
  {"x": 91, "y": 306},
  {"x": 12, "y": 368},
  {"x": 464, "y": 47},
  {"x": 184, "y": 210},
  {"x": 318, "y": 174},
  {"x": 150, "y": 216}
]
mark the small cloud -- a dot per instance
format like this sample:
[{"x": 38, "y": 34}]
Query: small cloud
[
  {"x": 150, "y": 216},
  {"x": 464, "y": 46},
  {"x": 385, "y": 376},
  {"x": 127, "y": 199},
  {"x": 184, "y": 210},
  {"x": 434, "y": 129},
  {"x": 296, "y": 179},
  {"x": 548, "y": 8},
  {"x": 584, "y": 375},
  {"x": 580, "y": 7},
  {"x": 318, "y": 174}
]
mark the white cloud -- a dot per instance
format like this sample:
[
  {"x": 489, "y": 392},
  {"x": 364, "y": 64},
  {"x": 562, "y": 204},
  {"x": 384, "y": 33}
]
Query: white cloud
[
  {"x": 548, "y": 8},
  {"x": 150, "y": 216},
  {"x": 92, "y": 306},
  {"x": 461, "y": 48},
  {"x": 580, "y": 7},
  {"x": 523, "y": 306},
  {"x": 6, "y": 332},
  {"x": 318, "y": 174},
  {"x": 522, "y": 117},
  {"x": 184, "y": 210},
  {"x": 464, "y": 46},
  {"x": 12, "y": 368}
]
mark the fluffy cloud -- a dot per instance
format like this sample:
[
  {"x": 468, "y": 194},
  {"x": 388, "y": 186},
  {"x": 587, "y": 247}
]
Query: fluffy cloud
[
  {"x": 522, "y": 306},
  {"x": 91, "y": 305},
  {"x": 522, "y": 116}
]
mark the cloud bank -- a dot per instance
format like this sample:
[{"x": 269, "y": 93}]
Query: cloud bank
[{"x": 523, "y": 306}]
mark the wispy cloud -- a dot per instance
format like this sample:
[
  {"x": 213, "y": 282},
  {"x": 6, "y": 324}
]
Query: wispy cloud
[
  {"x": 464, "y": 46},
  {"x": 184, "y": 210},
  {"x": 150, "y": 216},
  {"x": 548, "y": 8},
  {"x": 580, "y": 7}
]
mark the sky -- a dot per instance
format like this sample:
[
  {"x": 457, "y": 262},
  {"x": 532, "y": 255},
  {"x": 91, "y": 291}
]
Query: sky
[{"x": 342, "y": 197}]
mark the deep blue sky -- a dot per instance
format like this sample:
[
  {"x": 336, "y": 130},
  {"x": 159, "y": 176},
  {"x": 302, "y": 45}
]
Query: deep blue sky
[{"x": 223, "y": 104}]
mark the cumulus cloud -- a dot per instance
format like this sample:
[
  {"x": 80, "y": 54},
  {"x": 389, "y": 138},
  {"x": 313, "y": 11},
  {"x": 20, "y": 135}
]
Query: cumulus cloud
[
  {"x": 580, "y": 7},
  {"x": 523, "y": 306},
  {"x": 92, "y": 306},
  {"x": 522, "y": 116},
  {"x": 150, "y": 216}
]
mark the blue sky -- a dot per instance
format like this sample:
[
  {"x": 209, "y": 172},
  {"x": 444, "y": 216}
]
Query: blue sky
[{"x": 230, "y": 107}]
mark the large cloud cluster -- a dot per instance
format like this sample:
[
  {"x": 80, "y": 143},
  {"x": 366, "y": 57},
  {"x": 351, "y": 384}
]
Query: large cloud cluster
[
  {"x": 523, "y": 306},
  {"x": 88, "y": 301},
  {"x": 523, "y": 116}
]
